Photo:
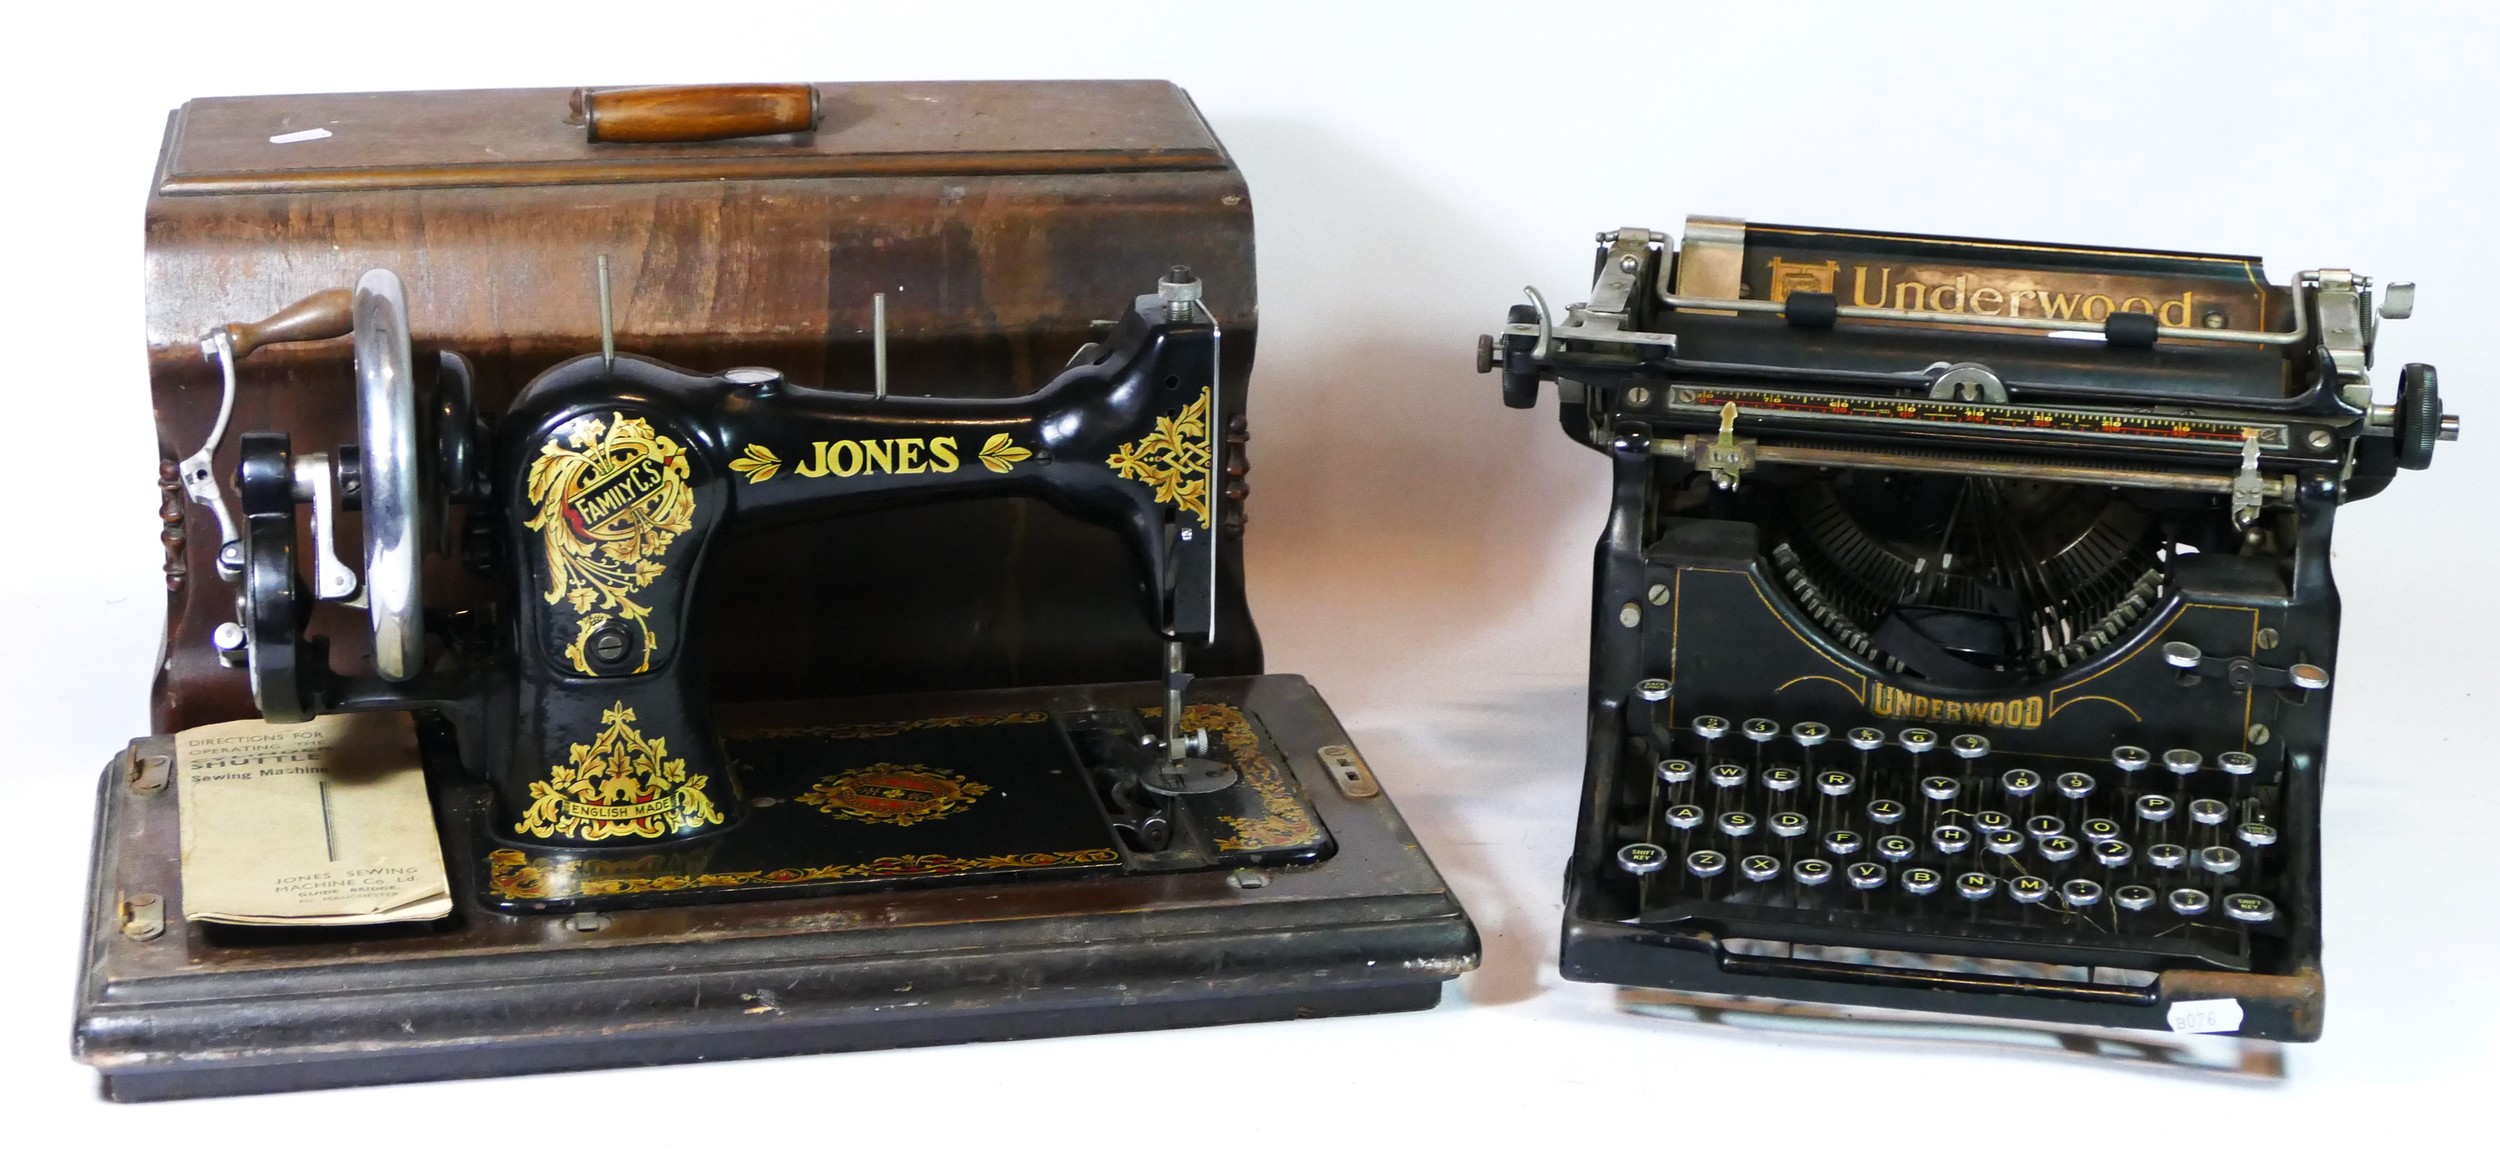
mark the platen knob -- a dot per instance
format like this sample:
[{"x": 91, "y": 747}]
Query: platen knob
[{"x": 2421, "y": 421}]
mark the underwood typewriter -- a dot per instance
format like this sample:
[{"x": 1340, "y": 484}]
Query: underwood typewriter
[
  {"x": 802, "y": 523},
  {"x": 1964, "y": 634}
]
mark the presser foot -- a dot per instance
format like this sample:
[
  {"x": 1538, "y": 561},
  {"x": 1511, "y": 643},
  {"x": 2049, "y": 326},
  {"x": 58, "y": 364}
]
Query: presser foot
[{"x": 1189, "y": 775}]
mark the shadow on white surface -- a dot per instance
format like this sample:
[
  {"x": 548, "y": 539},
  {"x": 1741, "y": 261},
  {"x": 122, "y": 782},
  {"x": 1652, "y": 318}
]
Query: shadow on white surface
[{"x": 1837, "y": 1027}]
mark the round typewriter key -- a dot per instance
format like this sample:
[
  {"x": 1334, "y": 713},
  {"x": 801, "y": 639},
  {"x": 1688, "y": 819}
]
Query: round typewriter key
[
  {"x": 1918, "y": 740},
  {"x": 1843, "y": 842},
  {"x": 2164, "y": 855},
  {"x": 1951, "y": 839},
  {"x": 2248, "y": 908},
  {"x": 2080, "y": 893},
  {"x": 2188, "y": 903},
  {"x": 2007, "y": 842},
  {"x": 1834, "y": 783},
  {"x": 1788, "y": 823},
  {"x": 2207, "y": 811},
  {"x": 2218, "y": 859},
  {"x": 1781, "y": 779},
  {"x": 1812, "y": 871},
  {"x": 1710, "y": 727},
  {"x": 2155, "y": 807},
  {"x": 2113, "y": 853},
  {"x": 1975, "y": 885},
  {"x": 2237, "y": 762},
  {"x": 2256, "y": 833},
  {"x": 2100, "y": 829},
  {"x": 1809, "y": 733},
  {"x": 1652, "y": 689},
  {"x": 1940, "y": 788},
  {"x": 2044, "y": 826},
  {"x": 1736, "y": 823},
  {"x": 1705, "y": 863},
  {"x": 1866, "y": 740},
  {"x": 2134, "y": 897},
  {"x": 1992, "y": 821},
  {"x": 1866, "y": 875},
  {"x": 1684, "y": 816},
  {"x": 2020, "y": 783},
  {"x": 2075, "y": 786},
  {"x": 2028, "y": 889},
  {"x": 1640, "y": 857},
  {"x": 2060, "y": 848},
  {"x": 1759, "y": 868},
  {"x": 1894, "y": 847},
  {"x": 1761, "y": 729},
  {"x": 1921, "y": 880},
  {"x": 1727, "y": 776},
  {"x": 1675, "y": 771},
  {"x": 2130, "y": 758},
  {"x": 2183, "y": 762},
  {"x": 1970, "y": 746},
  {"x": 1884, "y": 812}
]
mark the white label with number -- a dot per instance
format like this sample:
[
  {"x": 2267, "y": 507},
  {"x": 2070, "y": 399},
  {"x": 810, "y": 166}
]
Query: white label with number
[{"x": 2210, "y": 1016}]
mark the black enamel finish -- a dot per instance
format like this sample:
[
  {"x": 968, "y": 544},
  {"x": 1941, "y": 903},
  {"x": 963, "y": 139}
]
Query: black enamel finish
[{"x": 1715, "y": 596}]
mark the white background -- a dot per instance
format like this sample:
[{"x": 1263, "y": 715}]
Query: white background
[{"x": 1417, "y": 550}]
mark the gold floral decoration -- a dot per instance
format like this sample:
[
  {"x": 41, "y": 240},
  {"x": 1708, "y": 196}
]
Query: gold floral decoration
[
  {"x": 891, "y": 794},
  {"x": 620, "y": 784},
  {"x": 515, "y": 876},
  {"x": 1000, "y": 453},
  {"x": 1175, "y": 459},
  {"x": 757, "y": 464}
]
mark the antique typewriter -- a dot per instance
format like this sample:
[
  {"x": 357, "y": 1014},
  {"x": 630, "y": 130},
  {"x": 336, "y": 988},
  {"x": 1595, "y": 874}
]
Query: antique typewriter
[
  {"x": 802, "y": 522},
  {"x": 1964, "y": 633}
]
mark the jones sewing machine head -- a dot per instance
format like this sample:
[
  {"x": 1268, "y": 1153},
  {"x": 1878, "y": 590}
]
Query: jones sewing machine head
[
  {"x": 1964, "y": 629},
  {"x": 594, "y": 501}
]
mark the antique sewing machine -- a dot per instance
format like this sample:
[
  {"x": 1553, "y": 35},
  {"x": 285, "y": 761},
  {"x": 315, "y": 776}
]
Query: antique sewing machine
[
  {"x": 1964, "y": 635},
  {"x": 770, "y": 699}
]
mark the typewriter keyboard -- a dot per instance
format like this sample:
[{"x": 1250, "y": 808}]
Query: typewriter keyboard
[{"x": 2156, "y": 854}]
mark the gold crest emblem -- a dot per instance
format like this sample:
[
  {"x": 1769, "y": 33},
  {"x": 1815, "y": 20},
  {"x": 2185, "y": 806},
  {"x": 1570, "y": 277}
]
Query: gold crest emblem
[
  {"x": 621, "y": 784},
  {"x": 890, "y": 794},
  {"x": 1176, "y": 459},
  {"x": 611, "y": 496}
]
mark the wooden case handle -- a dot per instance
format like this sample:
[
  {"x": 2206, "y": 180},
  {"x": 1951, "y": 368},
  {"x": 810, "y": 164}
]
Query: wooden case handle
[
  {"x": 319, "y": 317},
  {"x": 695, "y": 112}
]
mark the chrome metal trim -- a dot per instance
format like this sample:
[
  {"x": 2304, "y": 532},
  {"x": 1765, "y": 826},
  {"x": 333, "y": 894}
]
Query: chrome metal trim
[
  {"x": 1697, "y": 448},
  {"x": 386, "y": 431}
]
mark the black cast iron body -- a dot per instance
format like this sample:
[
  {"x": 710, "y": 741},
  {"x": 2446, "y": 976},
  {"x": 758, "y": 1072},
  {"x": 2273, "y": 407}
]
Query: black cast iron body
[{"x": 610, "y": 480}]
